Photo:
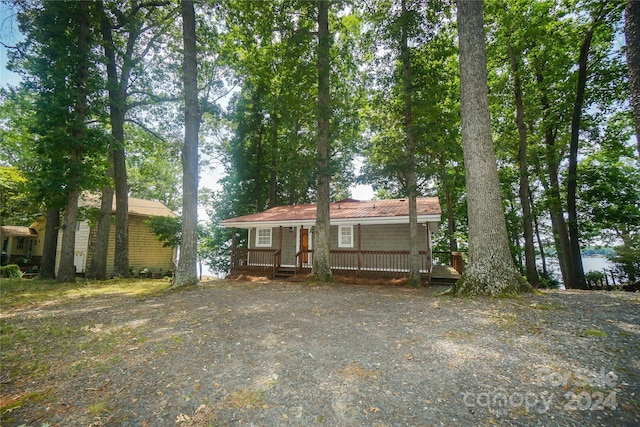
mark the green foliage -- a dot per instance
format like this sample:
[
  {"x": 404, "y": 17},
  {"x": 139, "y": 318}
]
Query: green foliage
[
  {"x": 627, "y": 258},
  {"x": 153, "y": 168},
  {"x": 166, "y": 229},
  {"x": 548, "y": 281},
  {"x": 14, "y": 200},
  {"x": 65, "y": 153},
  {"x": 10, "y": 271},
  {"x": 609, "y": 195},
  {"x": 594, "y": 276}
]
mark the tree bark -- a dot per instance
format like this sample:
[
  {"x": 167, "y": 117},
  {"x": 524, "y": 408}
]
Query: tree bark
[
  {"x": 121, "y": 259},
  {"x": 527, "y": 222},
  {"x": 572, "y": 176},
  {"x": 66, "y": 268},
  {"x": 50, "y": 245},
  {"x": 543, "y": 257},
  {"x": 556, "y": 211},
  {"x": 410, "y": 149},
  {"x": 448, "y": 197},
  {"x": 321, "y": 255},
  {"x": 187, "y": 273},
  {"x": 117, "y": 85},
  {"x": 632, "y": 35},
  {"x": 491, "y": 270},
  {"x": 98, "y": 269}
]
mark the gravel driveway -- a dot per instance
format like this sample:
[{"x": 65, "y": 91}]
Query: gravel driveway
[{"x": 248, "y": 353}]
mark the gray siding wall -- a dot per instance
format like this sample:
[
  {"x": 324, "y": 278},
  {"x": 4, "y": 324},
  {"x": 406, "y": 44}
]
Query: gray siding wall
[
  {"x": 288, "y": 243},
  {"x": 394, "y": 237}
]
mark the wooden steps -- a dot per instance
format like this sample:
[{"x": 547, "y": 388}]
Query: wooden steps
[{"x": 285, "y": 272}]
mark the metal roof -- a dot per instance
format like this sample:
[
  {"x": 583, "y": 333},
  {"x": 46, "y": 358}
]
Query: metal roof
[{"x": 345, "y": 211}]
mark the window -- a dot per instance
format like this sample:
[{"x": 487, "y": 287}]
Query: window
[
  {"x": 263, "y": 237},
  {"x": 345, "y": 236},
  {"x": 21, "y": 243}
]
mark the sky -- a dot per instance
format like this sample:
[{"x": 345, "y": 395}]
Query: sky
[{"x": 9, "y": 36}]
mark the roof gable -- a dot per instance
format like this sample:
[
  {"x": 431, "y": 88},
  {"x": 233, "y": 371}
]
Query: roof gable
[
  {"x": 373, "y": 211},
  {"x": 138, "y": 207},
  {"x": 18, "y": 231}
]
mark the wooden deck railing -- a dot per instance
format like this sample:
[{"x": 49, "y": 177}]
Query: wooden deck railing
[
  {"x": 365, "y": 262},
  {"x": 256, "y": 260},
  {"x": 347, "y": 262}
]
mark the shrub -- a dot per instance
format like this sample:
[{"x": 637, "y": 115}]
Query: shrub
[
  {"x": 10, "y": 270},
  {"x": 627, "y": 258},
  {"x": 548, "y": 281},
  {"x": 22, "y": 261}
]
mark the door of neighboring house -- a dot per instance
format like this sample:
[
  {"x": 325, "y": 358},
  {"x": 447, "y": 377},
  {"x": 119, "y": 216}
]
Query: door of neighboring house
[{"x": 78, "y": 261}]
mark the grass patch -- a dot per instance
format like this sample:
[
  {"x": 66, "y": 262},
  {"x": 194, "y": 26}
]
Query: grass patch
[
  {"x": 456, "y": 335},
  {"x": 98, "y": 407},
  {"x": 506, "y": 320},
  {"x": 357, "y": 371},
  {"x": 16, "y": 293},
  {"x": 245, "y": 399},
  {"x": 10, "y": 403},
  {"x": 594, "y": 333}
]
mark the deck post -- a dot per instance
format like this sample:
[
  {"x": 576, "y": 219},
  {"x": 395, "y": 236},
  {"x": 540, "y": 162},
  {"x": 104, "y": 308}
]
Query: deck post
[
  {"x": 233, "y": 249},
  {"x": 359, "y": 248},
  {"x": 428, "y": 255},
  {"x": 280, "y": 257},
  {"x": 300, "y": 246}
]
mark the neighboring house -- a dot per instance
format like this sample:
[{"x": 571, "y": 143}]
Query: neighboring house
[
  {"x": 145, "y": 251},
  {"x": 366, "y": 237},
  {"x": 18, "y": 243}
]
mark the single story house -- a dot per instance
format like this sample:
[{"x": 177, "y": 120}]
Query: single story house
[
  {"x": 17, "y": 243},
  {"x": 366, "y": 237},
  {"x": 145, "y": 251}
]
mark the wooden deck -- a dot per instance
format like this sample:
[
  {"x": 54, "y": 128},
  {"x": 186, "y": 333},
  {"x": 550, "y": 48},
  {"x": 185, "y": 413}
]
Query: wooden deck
[
  {"x": 444, "y": 275},
  {"x": 345, "y": 262}
]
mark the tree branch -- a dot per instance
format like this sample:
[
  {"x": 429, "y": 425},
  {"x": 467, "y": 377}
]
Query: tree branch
[{"x": 146, "y": 129}]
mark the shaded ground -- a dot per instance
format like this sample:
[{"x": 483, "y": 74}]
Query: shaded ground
[{"x": 243, "y": 353}]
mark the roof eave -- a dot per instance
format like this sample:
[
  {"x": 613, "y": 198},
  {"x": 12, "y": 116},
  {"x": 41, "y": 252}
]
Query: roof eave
[{"x": 432, "y": 218}]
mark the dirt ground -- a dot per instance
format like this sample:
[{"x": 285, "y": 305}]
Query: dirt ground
[{"x": 281, "y": 354}]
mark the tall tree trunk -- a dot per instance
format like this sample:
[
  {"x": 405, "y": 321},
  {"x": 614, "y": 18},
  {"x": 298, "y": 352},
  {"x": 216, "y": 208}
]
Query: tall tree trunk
[
  {"x": 321, "y": 248},
  {"x": 258, "y": 181},
  {"x": 448, "y": 197},
  {"x": 187, "y": 273},
  {"x": 410, "y": 149},
  {"x": 632, "y": 35},
  {"x": 491, "y": 270},
  {"x": 50, "y": 245},
  {"x": 527, "y": 222},
  {"x": 572, "y": 176},
  {"x": 118, "y": 85},
  {"x": 66, "y": 269},
  {"x": 98, "y": 269},
  {"x": 556, "y": 212},
  {"x": 121, "y": 259},
  {"x": 273, "y": 172},
  {"x": 543, "y": 257}
]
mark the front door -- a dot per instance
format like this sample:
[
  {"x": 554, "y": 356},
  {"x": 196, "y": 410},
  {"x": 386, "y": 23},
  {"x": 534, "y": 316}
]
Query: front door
[{"x": 304, "y": 245}]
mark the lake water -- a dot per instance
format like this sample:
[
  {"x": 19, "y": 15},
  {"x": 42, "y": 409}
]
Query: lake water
[
  {"x": 596, "y": 264},
  {"x": 588, "y": 263}
]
